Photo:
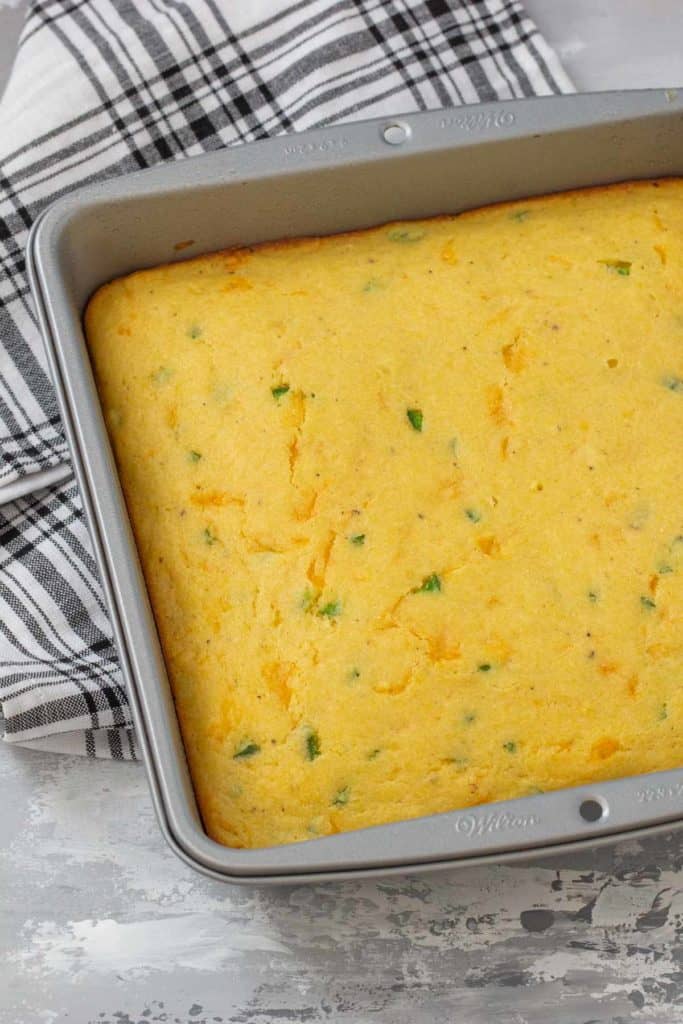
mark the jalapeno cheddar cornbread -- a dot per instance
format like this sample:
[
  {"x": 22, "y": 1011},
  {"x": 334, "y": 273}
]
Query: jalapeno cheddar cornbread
[{"x": 409, "y": 506}]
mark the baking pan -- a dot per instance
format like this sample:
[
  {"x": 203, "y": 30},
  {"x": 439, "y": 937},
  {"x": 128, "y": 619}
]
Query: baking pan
[{"x": 319, "y": 182}]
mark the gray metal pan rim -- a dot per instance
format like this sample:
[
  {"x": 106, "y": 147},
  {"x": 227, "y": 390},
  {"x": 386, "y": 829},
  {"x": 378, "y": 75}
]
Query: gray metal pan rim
[{"x": 44, "y": 269}]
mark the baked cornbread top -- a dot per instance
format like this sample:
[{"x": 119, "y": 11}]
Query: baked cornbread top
[{"x": 408, "y": 504}]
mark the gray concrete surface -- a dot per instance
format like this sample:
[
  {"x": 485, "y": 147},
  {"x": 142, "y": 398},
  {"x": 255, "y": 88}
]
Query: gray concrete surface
[
  {"x": 103, "y": 925},
  {"x": 614, "y": 44},
  {"x": 100, "y": 923},
  {"x": 11, "y": 20}
]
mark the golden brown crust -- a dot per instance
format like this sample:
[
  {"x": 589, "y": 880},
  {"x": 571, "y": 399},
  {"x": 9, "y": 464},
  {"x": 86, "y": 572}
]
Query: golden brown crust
[
  {"x": 241, "y": 252},
  {"x": 408, "y": 506}
]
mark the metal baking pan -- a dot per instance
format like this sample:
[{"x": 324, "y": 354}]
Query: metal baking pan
[{"x": 320, "y": 182}]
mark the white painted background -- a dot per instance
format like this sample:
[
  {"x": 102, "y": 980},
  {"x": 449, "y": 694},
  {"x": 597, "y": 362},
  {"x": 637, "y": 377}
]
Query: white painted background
[{"x": 100, "y": 923}]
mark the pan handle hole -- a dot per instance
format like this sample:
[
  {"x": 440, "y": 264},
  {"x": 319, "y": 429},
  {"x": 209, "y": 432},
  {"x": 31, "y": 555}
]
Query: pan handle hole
[
  {"x": 396, "y": 133},
  {"x": 593, "y": 809}
]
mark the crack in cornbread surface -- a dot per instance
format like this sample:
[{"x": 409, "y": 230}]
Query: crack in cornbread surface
[{"x": 408, "y": 503}]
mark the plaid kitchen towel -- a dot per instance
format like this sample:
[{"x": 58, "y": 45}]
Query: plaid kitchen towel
[{"x": 103, "y": 87}]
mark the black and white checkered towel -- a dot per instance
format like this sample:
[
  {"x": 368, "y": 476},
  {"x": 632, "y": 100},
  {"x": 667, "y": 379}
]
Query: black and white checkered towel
[{"x": 103, "y": 87}]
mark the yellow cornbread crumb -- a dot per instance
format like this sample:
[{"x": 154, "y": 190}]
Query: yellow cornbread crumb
[{"x": 408, "y": 504}]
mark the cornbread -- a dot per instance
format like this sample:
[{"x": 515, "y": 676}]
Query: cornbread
[{"x": 408, "y": 502}]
